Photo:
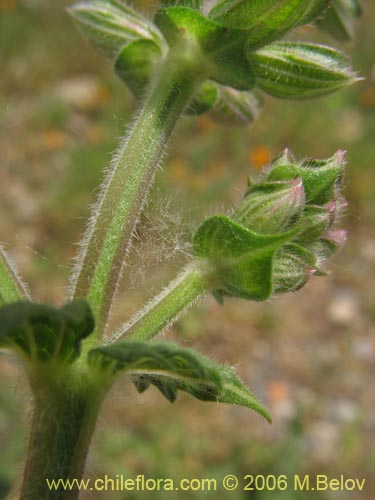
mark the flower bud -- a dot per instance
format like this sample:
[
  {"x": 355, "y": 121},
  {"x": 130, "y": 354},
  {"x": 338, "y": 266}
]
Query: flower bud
[
  {"x": 271, "y": 207},
  {"x": 226, "y": 104},
  {"x": 299, "y": 70},
  {"x": 235, "y": 107},
  {"x": 281, "y": 233},
  {"x": 316, "y": 220},
  {"x": 109, "y": 25},
  {"x": 293, "y": 266},
  {"x": 321, "y": 178},
  {"x": 335, "y": 239},
  {"x": 328, "y": 245}
]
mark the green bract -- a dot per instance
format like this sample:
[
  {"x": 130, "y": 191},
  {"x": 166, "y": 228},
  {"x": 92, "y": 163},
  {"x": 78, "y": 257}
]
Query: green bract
[
  {"x": 280, "y": 234},
  {"x": 42, "y": 333},
  {"x": 240, "y": 258}
]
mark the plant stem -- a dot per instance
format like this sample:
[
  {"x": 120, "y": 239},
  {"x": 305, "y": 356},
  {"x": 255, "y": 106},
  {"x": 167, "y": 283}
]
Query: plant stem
[
  {"x": 108, "y": 236},
  {"x": 62, "y": 426},
  {"x": 11, "y": 287},
  {"x": 167, "y": 307}
]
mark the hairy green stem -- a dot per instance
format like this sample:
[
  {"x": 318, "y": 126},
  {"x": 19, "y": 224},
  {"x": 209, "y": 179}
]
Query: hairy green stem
[
  {"x": 63, "y": 422},
  {"x": 11, "y": 287},
  {"x": 167, "y": 307},
  {"x": 108, "y": 237}
]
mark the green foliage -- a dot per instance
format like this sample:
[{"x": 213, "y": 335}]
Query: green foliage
[
  {"x": 42, "y": 333},
  {"x": 171, "y": 368}
]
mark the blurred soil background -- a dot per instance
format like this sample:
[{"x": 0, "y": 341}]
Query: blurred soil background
[{"x": 309, "y": 356}]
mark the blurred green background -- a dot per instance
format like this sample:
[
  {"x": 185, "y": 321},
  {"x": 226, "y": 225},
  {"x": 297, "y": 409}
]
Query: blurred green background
[{"x": 309, "y": 356}]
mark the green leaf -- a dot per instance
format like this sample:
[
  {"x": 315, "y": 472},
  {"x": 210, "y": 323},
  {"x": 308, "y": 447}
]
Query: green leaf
[
  {"x": 221, "y": 50},
  {"x": 171, "y": 369},
  {"x": 339, "y": 19},
  {"x": 109, "y": 25},
  {"x": 135, "y": 62},
  {"x": 300, "y": 70},
  {"x": 241, "y": 259},
  {"x": 266, "y": 20},
  {"x": 43, "y": 333}
]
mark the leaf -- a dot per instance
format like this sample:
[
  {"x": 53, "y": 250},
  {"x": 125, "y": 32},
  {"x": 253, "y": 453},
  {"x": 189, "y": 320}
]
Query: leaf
[
  {"x": 135, "y": 62},
  {"x": 171, "y": 369},
  {"x": 241, "y": 259},
  {"x": 222, "y": 49},
  {"x": 109, "y": 25},
  {"x": 299, "y": 70},
  {"x": 41, "y": 332},
  {"x": 266, "y": 20}
]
